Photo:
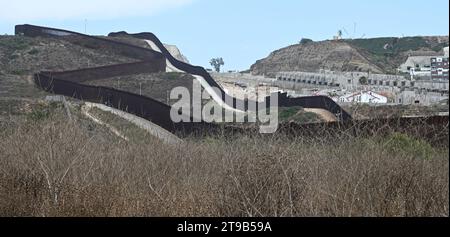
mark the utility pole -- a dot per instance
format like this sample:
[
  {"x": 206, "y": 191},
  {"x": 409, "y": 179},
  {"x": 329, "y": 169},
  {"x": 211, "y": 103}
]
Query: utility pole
[{"x": 85, "y": 26}]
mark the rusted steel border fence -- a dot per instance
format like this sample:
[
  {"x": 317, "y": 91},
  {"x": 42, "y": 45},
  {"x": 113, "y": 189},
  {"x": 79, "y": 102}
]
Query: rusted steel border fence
[
  {"x": 320, "y": 102},
  {"x": 69, "y": 83}
]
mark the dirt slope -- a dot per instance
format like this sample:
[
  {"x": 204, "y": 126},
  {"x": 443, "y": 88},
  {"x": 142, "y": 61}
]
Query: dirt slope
[
  {"x": 311, "y": 57},
  {"x": 379, "y": 55}
]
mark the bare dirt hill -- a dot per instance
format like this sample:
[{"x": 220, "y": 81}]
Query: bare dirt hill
[
  {"x": 379, "y": 55},
  {"x": 313, "y": 56}
]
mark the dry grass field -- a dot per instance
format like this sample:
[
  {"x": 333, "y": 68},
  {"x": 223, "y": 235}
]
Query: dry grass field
[{"x": 50, "y": 166}]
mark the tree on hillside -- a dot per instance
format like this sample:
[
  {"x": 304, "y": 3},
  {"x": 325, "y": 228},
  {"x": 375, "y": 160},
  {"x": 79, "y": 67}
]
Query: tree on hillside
[
  {"x": 306, "y": 40},
  {"x": 363, "y": 80},
  {"x": 217, "y": 63}
]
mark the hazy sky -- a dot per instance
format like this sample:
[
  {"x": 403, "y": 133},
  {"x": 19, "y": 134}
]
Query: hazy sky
[{"x": 240, "y": 31}]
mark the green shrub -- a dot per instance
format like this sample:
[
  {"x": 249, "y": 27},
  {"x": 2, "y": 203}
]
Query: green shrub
[
  {"x": 173, "y": 75},
  {"x": 306, "y": 117},
  {"x": 296, "y": 114},
  {"x": 404, "y": 144},
  {"x": 363, "y": 80},
  {"x": 15, "y": 43},
  {"x": 38, "y": 114},
  {"x": 286, "y": 113},
  {"x": 306, "y": 41},
  {"x": 439, "y": 47},
  {"x": 42, "y": 112}
]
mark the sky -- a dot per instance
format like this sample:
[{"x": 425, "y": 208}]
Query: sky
[{"x": 239, "y": 31}]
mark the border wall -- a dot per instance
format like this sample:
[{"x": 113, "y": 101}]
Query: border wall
[
  {"x": 69, "y": 83},
  {"x": 321, "y": 102},
  {"x": 141, "y": 106},
  {"x": 97, "y": 73}
]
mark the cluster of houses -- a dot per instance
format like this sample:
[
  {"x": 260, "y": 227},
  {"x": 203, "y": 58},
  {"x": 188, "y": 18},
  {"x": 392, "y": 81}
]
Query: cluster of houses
[{"x": 430, "y": 88}]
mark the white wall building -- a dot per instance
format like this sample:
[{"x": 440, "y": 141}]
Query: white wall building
[
  {"x": 368, "y": 97},
  {"x": 418, "y": 63},
  {"x": 420, "y": 98}
]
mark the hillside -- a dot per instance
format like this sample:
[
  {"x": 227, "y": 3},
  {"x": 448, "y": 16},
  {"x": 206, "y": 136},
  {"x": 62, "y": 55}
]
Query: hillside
[
  {"x": 379, "y": 55},
  {"x": 21, "y": 57},
  {"x": 25, "y": 55}
]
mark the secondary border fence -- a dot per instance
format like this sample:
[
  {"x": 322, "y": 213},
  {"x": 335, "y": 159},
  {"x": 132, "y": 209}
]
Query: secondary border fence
[
  {"x": 320, "y": 102},
  {"x": 434, "y": 129},
  {"x": 70, "y": 83}
]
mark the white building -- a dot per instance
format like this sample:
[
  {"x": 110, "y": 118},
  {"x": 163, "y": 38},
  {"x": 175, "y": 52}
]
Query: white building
[
  {"x": 416, "y": 63},
  {"x": 423, "y": 98},
  {"x": 369, "y": 97}
]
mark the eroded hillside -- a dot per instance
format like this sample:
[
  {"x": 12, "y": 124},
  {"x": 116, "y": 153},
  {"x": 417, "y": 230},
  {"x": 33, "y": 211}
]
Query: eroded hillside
[{"x": 380, "y": 55}]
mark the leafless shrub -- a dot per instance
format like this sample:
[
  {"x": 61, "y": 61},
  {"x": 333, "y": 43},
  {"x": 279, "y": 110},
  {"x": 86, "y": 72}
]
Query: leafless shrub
[{"x": 56, "y": 168}]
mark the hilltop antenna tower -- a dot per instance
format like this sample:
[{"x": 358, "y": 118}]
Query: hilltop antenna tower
[
  {"x": 338, "y": 36},
  {"x": 355, "y": 32},
  {"x": 346, "y": 32}
]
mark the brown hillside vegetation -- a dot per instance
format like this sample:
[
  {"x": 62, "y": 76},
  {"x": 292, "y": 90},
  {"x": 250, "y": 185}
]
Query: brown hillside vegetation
[
  {"x": 310, "y": 57},
  {"x": 21, "y": 55},
  {"x": 52, "y": 167}
]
